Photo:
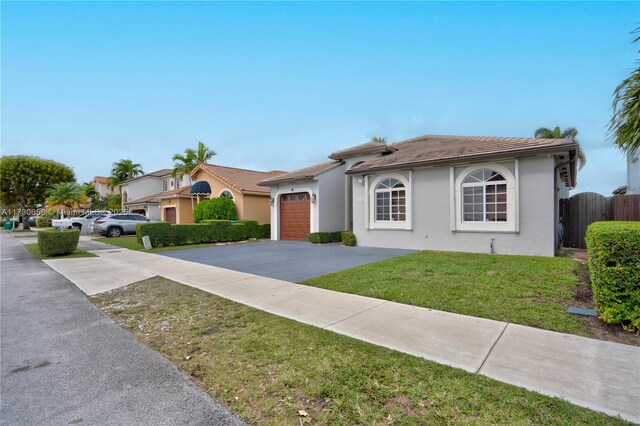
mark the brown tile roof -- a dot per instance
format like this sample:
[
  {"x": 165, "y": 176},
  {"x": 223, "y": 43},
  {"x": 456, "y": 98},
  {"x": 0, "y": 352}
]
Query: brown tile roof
[
  {"x": 308, "y": 173},
  {"x": 185, "y": 191},
  {"x": 157, "y": 173},
  {"x": 363, "y": 149},
  {"x": 241, "y": 179},
  {"x": 101, "y": 179},
  {"x": 441, "y": 150}
]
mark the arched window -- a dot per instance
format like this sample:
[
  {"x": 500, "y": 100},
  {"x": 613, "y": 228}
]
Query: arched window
[
  {"x": 226, "y": 194},
  {"x": 484, "y": 197},
  {"x": 390, "y": 201}
]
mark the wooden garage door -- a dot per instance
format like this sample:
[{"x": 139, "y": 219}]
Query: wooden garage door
[
  {"x": 295, "y": 216},
  {"x": 170, "y": 214}
]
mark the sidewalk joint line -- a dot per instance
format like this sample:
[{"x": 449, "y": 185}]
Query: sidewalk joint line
[
  {"x": 492, "y": 346},
  {"x": 356, "y": 314}
]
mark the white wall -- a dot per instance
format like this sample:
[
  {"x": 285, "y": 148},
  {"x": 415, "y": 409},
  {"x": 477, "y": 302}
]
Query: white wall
[
  {"x": 332, "y": 200},
  {"x": 432, "y": 212},
  {"x": 141, "y": 188}
]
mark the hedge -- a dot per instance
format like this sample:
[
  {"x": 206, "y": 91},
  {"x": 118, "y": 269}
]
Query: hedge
[
  {"x": 348, "y": 239},
  {"x": 613, "y": 250},
  {"x": 41, "y": 222},
  {"x": 211, "y": 231},
  {"x": 56, "y": 243},
  {"x": 325, "y": 237},
  {"x": 221, "y": 208}
]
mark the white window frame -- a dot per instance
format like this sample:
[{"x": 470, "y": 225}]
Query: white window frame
[
  {"x": 407, "y": 223},
  {"x": 512, "y": 201},
  {"x": 229, "y": 191}
]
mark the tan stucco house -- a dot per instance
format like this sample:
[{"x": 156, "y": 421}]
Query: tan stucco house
[{"x": 212, "y": 181}]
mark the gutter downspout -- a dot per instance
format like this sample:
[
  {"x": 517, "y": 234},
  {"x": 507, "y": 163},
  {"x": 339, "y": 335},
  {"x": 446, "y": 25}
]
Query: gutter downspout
[{"x": 556, "y": 202}]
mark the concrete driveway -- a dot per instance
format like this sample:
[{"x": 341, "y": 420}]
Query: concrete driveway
[{"x": 292, "y": 261}]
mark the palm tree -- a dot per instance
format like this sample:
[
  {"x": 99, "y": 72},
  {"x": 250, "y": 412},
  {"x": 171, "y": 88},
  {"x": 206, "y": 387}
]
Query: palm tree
[
  {"x": 123, "y": 170},
  {"x": 569, "y": 133},
  {"x": 625, "y": 123},
  {"x": 378, "y": 139},
  {"x": 68, "y": 194},
  {"x": 185, "y": 163}
]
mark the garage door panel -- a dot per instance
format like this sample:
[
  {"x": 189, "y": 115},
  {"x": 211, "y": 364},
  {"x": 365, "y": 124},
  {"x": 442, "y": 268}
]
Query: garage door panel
[{"x": 295, "y": 216}]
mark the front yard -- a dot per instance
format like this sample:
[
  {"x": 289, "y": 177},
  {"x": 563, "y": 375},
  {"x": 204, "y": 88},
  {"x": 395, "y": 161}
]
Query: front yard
[
  {"x": 267, "y": 368},
  {"x": 527, "y": 290},
  {"x": 35, "y": 251}
]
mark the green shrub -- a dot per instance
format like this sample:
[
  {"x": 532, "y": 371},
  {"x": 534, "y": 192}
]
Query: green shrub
[
  {"x": 264, "y": 231},
  {"x": 56, "y": 243},
  {"x": 325, "y": 237},
  {"x": 213, "y": 231},
  {"x": 348, "y": 238},
  {"x": 41, "y": 222},
  {"x": 221, "y": 208},
  {"x": 613, "y": 250}
]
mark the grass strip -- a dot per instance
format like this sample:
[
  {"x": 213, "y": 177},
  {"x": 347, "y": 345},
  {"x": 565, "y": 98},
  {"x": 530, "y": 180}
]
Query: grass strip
[{"x": 266, "y": 368}]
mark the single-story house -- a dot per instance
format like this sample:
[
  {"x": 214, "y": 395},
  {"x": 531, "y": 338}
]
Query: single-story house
[
  {"x": 212, "y": 181},
  {"x": 453, "y": 193}
]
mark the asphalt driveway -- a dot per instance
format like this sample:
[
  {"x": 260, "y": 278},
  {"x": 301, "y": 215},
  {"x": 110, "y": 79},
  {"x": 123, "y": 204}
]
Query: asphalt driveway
[{"x": 292, "y": 261}]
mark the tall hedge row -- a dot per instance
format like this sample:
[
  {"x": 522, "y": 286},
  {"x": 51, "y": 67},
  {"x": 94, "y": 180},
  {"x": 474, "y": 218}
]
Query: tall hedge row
[
  {"x": 213, "y": 231},
  {"x": 57, "y": 243},
  {"x": 613, "y": 250}
]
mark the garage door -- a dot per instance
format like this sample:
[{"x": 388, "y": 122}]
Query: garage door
[
  {"x": 170, "y": 214},
  {"x": 295, "y": 216}
]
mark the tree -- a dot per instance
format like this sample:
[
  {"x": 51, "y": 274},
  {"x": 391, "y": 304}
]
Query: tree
[
  {"x": 569, "y": 133},
  {"x": 379, "y": 139},
  {"x": 68, "y": 194},
  {"x": 25, "y": 181},
  {"x": 185, "y": 163},
  {"x": 625, "y": 123},
  {"x": 123, "y": 170}
]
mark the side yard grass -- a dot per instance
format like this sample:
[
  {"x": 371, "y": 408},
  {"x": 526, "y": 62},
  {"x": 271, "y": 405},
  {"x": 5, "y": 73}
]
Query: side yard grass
[
  {"x": 131, "y": 243},
  {"x": 527, "y": 290},
  {"x": 35, "y": 251},
  {"x": 266, "y": 368}
]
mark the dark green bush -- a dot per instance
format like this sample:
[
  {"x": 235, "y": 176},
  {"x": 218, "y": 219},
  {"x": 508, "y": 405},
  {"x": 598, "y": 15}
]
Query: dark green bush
[
  {"x": 348, "y": 239},
  {"x": 221, "y": 208},
  {"x": 325, "y": 237},
  {"x": 613, "y": 250},
  {"x": 214, "y": 231},
  {"x": 41, "y": 222},
  {"x": 264, "y": 231},
  {"x": 56, "y": 243}
]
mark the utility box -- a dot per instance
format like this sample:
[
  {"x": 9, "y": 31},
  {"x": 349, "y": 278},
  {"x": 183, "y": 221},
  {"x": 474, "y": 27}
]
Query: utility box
[{"x": 146, "y": 241}]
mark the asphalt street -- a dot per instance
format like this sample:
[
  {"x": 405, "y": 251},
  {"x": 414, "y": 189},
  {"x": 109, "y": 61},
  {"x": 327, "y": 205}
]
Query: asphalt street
[{"x": 62, "y": 361}]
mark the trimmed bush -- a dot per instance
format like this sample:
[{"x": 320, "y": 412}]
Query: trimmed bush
[
  {"x": 221, "y": 208},
  {"x": 56, "y": 243},
  {"x": 325, "y": 237},
  {"x": 348, "y": 239},
  {"x": 41, "y": 222},
  {"x": 214, "y": 231},
  {"x": 264, "y": 231},
  {"x": 613, "y": 250}
]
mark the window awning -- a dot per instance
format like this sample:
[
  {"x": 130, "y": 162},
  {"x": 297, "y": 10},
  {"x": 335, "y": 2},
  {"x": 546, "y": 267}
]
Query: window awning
[{"x": 201, "y": 188}]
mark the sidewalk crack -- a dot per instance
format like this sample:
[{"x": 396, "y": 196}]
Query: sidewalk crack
[
  {"x": 356, "y": 314},
  {"x": 492, "y": 346}
]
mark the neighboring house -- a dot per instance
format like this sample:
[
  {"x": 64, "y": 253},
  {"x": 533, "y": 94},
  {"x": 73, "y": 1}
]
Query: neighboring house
[
  {"x": 140, "y": 193},
  {"x": 452, "y": 193},
  {"x": 212, "y": 181},
  {"x": 101, "y": 184}
]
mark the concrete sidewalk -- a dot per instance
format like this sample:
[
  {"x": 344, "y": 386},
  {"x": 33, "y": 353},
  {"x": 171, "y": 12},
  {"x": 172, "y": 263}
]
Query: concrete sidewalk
[
  {"x": 64, "y": 362},
  {"x": 599, "y": 375}
]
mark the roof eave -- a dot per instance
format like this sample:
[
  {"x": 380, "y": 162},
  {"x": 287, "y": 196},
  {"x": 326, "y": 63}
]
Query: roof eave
[{"x": 466, "y": 159}]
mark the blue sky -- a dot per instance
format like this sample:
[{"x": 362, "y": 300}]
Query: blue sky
[{"x": 282, "y": 85}]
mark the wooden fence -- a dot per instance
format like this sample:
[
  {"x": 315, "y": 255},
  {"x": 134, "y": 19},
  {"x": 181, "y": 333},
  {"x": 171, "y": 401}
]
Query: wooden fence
[{"x": 581, "y": 210}]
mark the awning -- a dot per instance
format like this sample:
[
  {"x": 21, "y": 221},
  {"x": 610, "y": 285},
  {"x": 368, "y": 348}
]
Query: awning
[{"x": 201, "y": 188}]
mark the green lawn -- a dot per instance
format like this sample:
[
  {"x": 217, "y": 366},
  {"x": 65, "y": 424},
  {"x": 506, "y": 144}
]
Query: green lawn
[
  {"x": 265, "y": 368},
  {"x": 131, "y": 242},
  {"x": 528, "y": 290},
  {"x": 35, "y": 250}
]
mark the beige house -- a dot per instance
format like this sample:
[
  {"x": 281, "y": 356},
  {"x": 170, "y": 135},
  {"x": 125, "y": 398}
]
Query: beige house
[
  {"x": 212, "y": 181},
  {"x": 101, "y": 184}
]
